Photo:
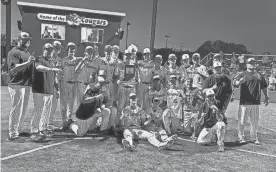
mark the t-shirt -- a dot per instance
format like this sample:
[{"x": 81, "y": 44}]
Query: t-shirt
[
  {"x": 210, "y": 118},
  {"x": 241, "y": 59},
  {"x": 23, "y": 77},
  {"x": 43, "y": 82},
  {"x": 251, "y": 88},
  {"x": 224, "y": 89}
]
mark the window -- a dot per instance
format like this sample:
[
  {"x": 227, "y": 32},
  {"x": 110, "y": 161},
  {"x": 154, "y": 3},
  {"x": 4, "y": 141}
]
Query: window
[
  {"x": 93, "y": 35},
  {"x": 52, "y": 31}
]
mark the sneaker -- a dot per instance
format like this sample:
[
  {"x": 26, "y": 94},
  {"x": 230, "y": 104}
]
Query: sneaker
[
  {"x": 38, "y": 137},
  {"x": 48, "y": 133},
  {"x": 24, "y": 134},
  {"x": 15, "y": 139},
  {"x": 242, "y": 141},
  {"x": 166, "y": 144},
  {"x": 126, "y": 144},
  {"x": 221, "y": 149},
  {"x": 66, "y": 125},
  {"x": 256, "y": 142}
]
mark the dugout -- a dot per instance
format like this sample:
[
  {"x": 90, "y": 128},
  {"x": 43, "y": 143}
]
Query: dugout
[{"x": 46, "y": 23}]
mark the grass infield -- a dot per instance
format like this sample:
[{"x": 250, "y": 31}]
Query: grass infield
[{"x": 65, "y": 153}]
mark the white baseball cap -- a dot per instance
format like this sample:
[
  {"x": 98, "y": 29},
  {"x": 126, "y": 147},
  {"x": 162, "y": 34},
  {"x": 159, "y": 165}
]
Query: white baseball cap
[
  {"x": 217, "y": 64},
  {"x": 88, "y": 48},
  {"x": 100, "y": 79},
  {"x": 172, "y": 56},
  {"x": 251, "y": 60},
  {"x": 24, "y": 35},
  {"x": 173, "y": 77},
  {"x": 156, "y": 77},
  {"x": 196, "y": 55},
  {"x": 127, "y": 51},
  {"x": 209, "y": 92},
  {"x": 217, "y": 56},
  {"x": 146, "y": 51},
  {"x": 158, "y": 57},
  {"x": 185, "y": 56},
  {"x": 132, "y": 96}
]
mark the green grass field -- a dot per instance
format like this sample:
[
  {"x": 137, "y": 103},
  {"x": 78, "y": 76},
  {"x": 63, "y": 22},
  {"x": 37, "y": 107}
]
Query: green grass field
[{"x": 65, "y": 152}]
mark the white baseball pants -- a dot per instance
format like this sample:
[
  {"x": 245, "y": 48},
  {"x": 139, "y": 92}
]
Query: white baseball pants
[
  {"x": 20, "y": 99},
  {"x": 42, "y": 110},
  {"x": 245, "y": 111},
  {"x": 70, "y": 96},
  {"x": 207, "y": 135},
  {"x": 50, "y": 125},
  {"x": 143, "y": 90},
  {"x": 171, "y": 122},
  {"x": 141, "y": 134}
]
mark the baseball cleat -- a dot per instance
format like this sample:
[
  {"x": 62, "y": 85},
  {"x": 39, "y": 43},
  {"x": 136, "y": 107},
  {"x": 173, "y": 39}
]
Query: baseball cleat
[
  {"x": 242, "y": 141},
  {"x": 221, "y": 149},
  {"x": 126, "y": 144},
  {"x": 256, "y": 142}
]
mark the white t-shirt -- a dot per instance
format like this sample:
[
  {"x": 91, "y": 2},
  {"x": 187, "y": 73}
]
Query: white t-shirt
[{"x": 241, "y": 59}]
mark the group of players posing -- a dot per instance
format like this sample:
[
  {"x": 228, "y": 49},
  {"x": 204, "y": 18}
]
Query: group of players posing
[{"x": 141, "y": 97}]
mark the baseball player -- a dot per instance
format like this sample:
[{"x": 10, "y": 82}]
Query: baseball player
[
  {"x": 91, "y": 108},
  {"x": 172, "y": 69},
  {"x": 158, "y": 69},
  {"x": 145, "y": 68},
  {"x": 185, "y": 64},
  {"x": 20, "y": 65},
  {"x": 211, "y": 121},
  {"x": 106, "y": 70},
  {"x": 56, "y": 62},
  {"x": 154, "y": 121},
  {"x": 172, "y": 116},
  {"x": 197, "y": 71},
  {"x": 157, "y": 91},
  {"x": 118, "y": 62},
  {"x": 127, "y": 80},
  {"x": 133, "y": 118},
  {"x": 43, "y": 90},
  {"x": 70, "y": 79},
  {"x": 86, "y": 69},
  {"x": 193, "y": 98}
]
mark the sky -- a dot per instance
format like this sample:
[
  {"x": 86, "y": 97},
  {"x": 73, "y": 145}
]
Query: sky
[{"x": 188, "y": 22}]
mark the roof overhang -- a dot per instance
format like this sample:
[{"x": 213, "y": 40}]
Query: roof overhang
[{"x": 56, "y": 7}]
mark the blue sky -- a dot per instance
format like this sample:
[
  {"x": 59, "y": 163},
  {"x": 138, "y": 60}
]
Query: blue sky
[{"x": 191, "y": 22}]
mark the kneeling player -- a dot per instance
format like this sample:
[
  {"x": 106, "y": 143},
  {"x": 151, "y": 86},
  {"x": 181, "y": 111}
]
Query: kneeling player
[
  {"x": 193, "y": 98},
  {"x": 133, "y": 117},
  {"x": 91, "y": 108},
  {"x": 154, "y": 123},
  {"x": 212, "y": 124}
]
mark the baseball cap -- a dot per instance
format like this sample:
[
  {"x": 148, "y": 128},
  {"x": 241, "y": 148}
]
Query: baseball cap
[
  {"x": 209, "y": 92},
  {"x": 71, "y": 44},
  {"x": 116, "y": 47},
  {"x": 172, "y": 77},
  {"x": 217, "y": 56},
  {"x": 48, "y": 46},
  {"x": 158, "y": 56},
  {"x": 132, "y": 96},
  {"x": 57, "y": 44},
  {"x": 250, "y": 60},
  {"x": 156, "y": 99},
  {"x": 88, "y": 48},
  {"x": 172, "y": 56},
  {"x": 127, "y": 51},
  {"x": 146, "y": 51},
  {"x": 217, "y": 64},
  {"x": 108, "y": 48},
  {"x": 196, "y": 55},
  {"x": 100, "y": 79},
  {"x": 156, "y": 77},
  {"x": 185, "y": 56},
  {"x": 24, "y": 35}
]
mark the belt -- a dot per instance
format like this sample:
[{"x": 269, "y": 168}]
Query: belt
[
  {"x": 85, "y": 83},
  {"x": 127, "y": 86},
  {"x": 188, "y": 110},
  {"x": 145, "y": 83},
  {"x": 72, "y": 82}
]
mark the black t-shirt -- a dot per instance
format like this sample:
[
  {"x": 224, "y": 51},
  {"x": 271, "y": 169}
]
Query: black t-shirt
[
  {"x": 23, "y": 77},
  {"x": 224, "y": 89},
  {"x": 251, "y": 88},
  {"x": 43, "y": 82},
  {"x": 210, "y": 118}
]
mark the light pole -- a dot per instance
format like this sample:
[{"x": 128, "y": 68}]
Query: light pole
[
  {"x": 167, "y": 37},
  {"x": 153, "y": 25},
  {"x": 128, "y": 24}
]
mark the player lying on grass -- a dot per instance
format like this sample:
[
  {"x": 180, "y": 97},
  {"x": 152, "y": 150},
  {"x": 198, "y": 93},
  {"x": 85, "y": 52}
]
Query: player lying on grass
[
  {"x": 211, "y": 121},
  {"x": 91, "y": 108},
  {"x": 133, "y": 118},
  {"x": 154, "y": 123}
]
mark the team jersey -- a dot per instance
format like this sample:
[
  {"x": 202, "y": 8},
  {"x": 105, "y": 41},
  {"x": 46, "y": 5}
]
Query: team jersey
[
  {"x": 199, "y": 74},
  {"x": 192, "y": 99},
  {"x": 69, "y": 73},
  {"x": 133, "y": 117},
  {"x": 159, "y": 71},
  {"x": 145, "y": 71},
  {"x": 174, "y": 98},
  {"x": 160, "y": 94},
  {"x": 176, "y": 71},
  {"x": 184, "y": 71},
  {"x": 88, "y": 68},
  {"x": 155, "y": 116}
]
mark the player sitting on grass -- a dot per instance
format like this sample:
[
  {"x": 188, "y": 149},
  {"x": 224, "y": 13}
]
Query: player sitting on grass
[
  {"x": 193, "y": 98},
  {"x": 91, "y": 108},
  {"x": 210, "y": 119},
  {"x": 154, "y": 123},
  {"x": 133, "y": 118}
]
